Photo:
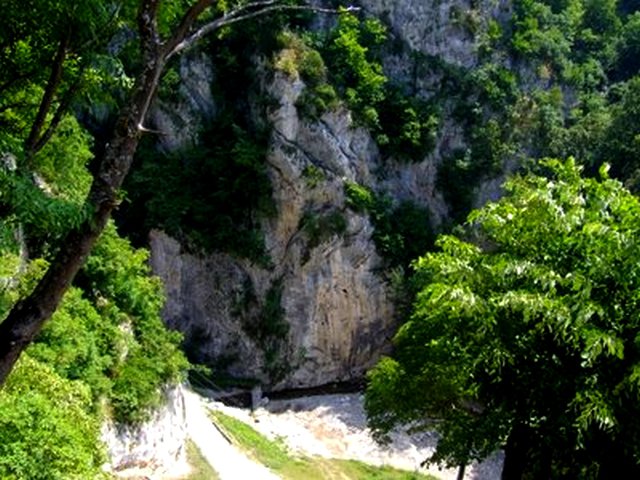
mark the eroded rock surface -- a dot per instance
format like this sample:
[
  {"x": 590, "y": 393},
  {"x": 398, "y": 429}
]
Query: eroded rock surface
[
  {"x": 156, "y": 447},
  {"x": 329, "y": 285},
  {"x": 333, "y": 298}
]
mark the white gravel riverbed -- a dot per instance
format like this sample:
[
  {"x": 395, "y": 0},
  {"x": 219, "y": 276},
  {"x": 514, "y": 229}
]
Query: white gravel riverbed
[{"x": 334, "y": 426}]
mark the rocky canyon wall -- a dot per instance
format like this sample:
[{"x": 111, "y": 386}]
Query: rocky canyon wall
[{"x": 330, "y": 289}]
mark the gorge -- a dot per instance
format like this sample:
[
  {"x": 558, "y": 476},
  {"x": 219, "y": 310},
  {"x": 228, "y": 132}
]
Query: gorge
[{"x": 296, "y": 216}]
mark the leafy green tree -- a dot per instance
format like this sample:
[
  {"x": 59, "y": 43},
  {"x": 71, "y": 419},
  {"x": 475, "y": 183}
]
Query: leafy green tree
[
  {"x": 524, "y": 333},
  {"x": 621, "y": 146},
  {"x": 629, "y": 48},
  {"x": 47, "y": 431},
  {"x": 111, "y": 337}
]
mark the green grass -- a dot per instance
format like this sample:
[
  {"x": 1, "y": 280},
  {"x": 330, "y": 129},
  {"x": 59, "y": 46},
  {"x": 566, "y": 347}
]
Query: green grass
[
  {"x": 200, "y": 468},
  {"x": 275, "y": 455}
]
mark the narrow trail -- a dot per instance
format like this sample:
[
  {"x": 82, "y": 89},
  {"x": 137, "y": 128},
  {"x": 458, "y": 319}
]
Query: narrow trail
[{"x": 226, "y": 459}]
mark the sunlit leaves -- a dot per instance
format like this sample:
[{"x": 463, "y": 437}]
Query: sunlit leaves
[
  {"x": 47, "y": 430},
  {"x": 536, "y": 323}
]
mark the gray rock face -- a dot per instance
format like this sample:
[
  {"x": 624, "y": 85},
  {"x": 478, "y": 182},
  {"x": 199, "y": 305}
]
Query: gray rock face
[
  {"x": 333, "y": 298},
  {"x": 335, "y": 304},
  {"x": 180, "y": 119},
  {"x": 444, "y": 28},
  {"x": 156, "y": 447}
]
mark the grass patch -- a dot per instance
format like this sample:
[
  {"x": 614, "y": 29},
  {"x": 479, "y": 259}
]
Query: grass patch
[
  {"x": 275, "y": 455},
  {"x": 361, "y": 471},
  {"x": 200, "y": 468}
]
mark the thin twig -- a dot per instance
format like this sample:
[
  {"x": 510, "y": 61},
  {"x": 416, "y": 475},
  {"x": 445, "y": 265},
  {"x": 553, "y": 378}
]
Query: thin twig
[{"x": 234, "y": 17}]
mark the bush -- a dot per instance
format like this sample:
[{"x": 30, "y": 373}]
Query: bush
[
  {"x": 111, "y": 337},
  {"x": 210, "y": 197},
  {"x": 47, "y": 429},
  {"x": 353, "y": 68},
  {"x": 401, "y": 231}
]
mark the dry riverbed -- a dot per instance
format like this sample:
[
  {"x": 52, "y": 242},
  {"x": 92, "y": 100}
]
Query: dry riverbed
[{"x": 334, "y": 426}]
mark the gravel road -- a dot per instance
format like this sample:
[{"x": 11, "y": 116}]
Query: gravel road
[{"x": 228, "y": 461}]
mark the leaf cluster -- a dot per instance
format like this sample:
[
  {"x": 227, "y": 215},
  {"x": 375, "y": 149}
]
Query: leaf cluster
[
  {"x": 402, "y": 230},
  {"x": 528, "y": 319}
]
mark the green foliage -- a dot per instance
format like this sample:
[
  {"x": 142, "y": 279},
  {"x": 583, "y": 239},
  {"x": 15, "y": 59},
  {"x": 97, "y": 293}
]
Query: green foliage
[
  {"x": 360, "y": 78},
  {"x": 403, "y": 126},
  {"x": 628, "y": 62},
  {"x": 212, "y": 196},
  {"x": 47, "y": 430},
  {"x": 543, "y": 33},
  {"x": 76, "y": 344},
  {"x": 111, "y": 337},
  {"x": 313, "y": 176},
  {"x": 32, "y": 34},
  {"x": 44, "y": 217},
  {"x": 298, "y": 60},
  {"x": 313, "y": 102},
  {"x": 128, "y": 298},
  {"x": 63, "y": 160},
  {"x": 408, "y": 126},
  {"x": 359, "y": 198},
  {"x": 621, "y": 144},
  {"x": 558, "y": 96},
  {"x": 528, "y": 341},
  {"x": 402, "y": 231}
]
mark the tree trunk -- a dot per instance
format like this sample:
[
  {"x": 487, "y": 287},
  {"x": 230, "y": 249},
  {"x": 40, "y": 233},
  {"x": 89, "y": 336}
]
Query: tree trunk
[
  {"x": 516, "y": 453},
  {"x": 461, "y": 471},
  {"x": 28, "y": 316}
]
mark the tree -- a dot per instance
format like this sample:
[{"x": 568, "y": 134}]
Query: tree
[
  {"x": 46, "y": 429},
  {"x": 160, "y": 39},
  {"x": 525, "y": 334}
]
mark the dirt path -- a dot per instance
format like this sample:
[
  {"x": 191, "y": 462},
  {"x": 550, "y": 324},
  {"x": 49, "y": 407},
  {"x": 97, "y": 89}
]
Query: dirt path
[{"x": 228, "y": 461}]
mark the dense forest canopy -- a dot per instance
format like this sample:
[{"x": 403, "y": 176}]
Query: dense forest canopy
[{"x": 534, "y": 295}]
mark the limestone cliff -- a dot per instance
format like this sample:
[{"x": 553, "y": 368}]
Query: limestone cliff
[
  {"x": 444, "y": 28},
  {"x": 336, "y": 305},
  {"x": 329, "y": 287}
]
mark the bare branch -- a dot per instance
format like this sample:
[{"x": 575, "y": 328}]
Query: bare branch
[
  {"x": 187, "y": 22},
  {"x": 185, "y": 25},
  {"x": 144, "y": 129},
  {"x": 242, "y": 14}
]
